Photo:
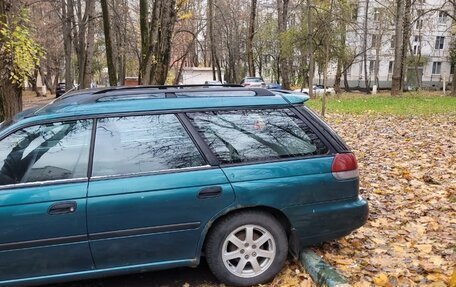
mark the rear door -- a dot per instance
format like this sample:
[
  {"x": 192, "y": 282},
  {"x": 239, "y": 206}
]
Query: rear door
[
  {"x": 272, "y": 157},
  {"x": 151, "y": 193},
  {"x": 43, "y": 187}
]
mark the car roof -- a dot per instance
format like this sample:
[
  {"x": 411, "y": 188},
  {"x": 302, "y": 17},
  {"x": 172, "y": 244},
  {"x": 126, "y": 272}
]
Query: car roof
[{"x": 123, "y": 100}]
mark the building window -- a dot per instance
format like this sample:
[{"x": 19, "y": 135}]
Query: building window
[
  {"x": 439, "y": 42},
  {"x": 417, "y": 39},
  {"x": 354, "y": 11},
  {"x": 442, "y": 17},
  {"x": 371, "y": 66},
  {"x": 390, "y": 67},
  {"x": 375, "y": 40},
  {"x": 419, "y": 24},
  {"x": 436, "y": 66},
  {"x": 378, "y": 14},
  {"x": 451, "y": 69},
  {"x": 415, "y": 49}
]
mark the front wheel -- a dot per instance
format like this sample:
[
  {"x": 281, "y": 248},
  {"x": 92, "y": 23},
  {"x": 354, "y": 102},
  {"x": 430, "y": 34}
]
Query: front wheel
[{"x": 247, "y": 248}]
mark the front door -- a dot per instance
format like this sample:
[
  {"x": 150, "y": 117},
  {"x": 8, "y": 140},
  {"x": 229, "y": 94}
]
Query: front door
[
  {"x": 43, "y": 188},
  {"x": 151, "y": 193}
]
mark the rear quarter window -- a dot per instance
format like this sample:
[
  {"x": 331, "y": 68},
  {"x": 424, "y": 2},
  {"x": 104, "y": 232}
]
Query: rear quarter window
[{"x": 256, "y": 135}]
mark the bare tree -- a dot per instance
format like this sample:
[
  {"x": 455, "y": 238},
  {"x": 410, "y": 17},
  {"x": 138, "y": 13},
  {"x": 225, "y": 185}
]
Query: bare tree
[
  {"x": 112, "y": 74},
  {"x": 156, "y": 25},
  {"x": 397, "y": 69},
  {"x": 251, "y": 64},
  {"x": 282, "y": 9}
]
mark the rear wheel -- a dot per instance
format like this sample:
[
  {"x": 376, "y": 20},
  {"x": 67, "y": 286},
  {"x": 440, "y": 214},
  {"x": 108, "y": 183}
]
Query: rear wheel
[{"x": 247, "y": 248}]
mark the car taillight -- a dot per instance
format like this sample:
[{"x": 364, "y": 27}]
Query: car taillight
[
  {"x": 246, "y": 84},
  {"x": 344, "y": 166}
]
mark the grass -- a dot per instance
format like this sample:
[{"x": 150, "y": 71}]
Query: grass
[{"x": 416, "y": 103}]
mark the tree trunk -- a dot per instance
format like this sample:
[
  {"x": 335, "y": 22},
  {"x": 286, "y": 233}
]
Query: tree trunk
[
  {"x": 10, "y": 93},
  {"x": 310, "y": 49},
  {"x": 282, "y": 9},
  {"x": 398, "y": 39},
  {"x": 340, "y": 62},
  {"x": 160, "y": 67},
  {"x": 405, "y": 41},
  {"x": 156, "y": 35},
  {"x": 250, "y": 36},
  {"x": 210, "y": 4},
  {"x": 67, "y": 44},
  {"x": 366, "y": 80},
  {"x": 453, "y": 83},
  {"x": 346, "y": 84},
  {"x": 377, "y": 59},
  {"x": 10, "y": 98},
  {"x": 108, "y": 43}
]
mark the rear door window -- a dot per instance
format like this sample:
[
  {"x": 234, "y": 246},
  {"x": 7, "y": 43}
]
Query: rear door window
[
  {"x": 139, "y": 144},
  {"x": 256, "y": 135},
  {"x": 46, "y": 152}
]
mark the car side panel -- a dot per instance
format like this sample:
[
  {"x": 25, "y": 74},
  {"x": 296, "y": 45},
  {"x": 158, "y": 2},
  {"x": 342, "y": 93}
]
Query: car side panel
[
  {"x": 317, "y": 205},
  {"x": 283, "y": 183},
  {"x": 154, "y": 218},
  {"x": 34, "y": 243}
]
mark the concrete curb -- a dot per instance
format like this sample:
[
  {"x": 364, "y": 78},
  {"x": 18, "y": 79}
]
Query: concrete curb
[{"x": 320, "y": 271}]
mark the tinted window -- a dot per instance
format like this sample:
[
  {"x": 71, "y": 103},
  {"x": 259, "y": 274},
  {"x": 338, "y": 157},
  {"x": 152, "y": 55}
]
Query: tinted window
[
  {"x": 127, "y": 145},
  {"x": 46, "y": 152},
  {"x": 253, "y": 135}
]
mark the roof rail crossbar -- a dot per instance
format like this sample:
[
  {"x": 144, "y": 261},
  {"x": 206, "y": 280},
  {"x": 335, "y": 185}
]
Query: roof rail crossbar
[{"x": 164, "y": 87}]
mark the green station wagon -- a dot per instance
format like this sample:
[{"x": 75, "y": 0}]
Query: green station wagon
[{"x": 121, "y": 180}]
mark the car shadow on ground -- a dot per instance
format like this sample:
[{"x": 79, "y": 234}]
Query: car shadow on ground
[{"x": 194, "y": 277}]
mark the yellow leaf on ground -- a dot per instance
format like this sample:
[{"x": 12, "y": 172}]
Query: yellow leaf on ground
[
  {"x": 382, "y": 280},
  {"x": 453, "y": 279},
  {"x": 426, "y": 248}
]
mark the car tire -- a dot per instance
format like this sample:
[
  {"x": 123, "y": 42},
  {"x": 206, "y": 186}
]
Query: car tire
[{"x": 246, "y": 248}]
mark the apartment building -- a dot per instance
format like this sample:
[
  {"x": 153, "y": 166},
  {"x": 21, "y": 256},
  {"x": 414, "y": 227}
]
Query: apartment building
[{"x": 428, "y": 63}]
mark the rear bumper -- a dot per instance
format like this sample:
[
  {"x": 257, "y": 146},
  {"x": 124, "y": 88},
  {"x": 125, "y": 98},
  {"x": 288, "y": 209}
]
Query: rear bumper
[{"x": 315, "y": 223}]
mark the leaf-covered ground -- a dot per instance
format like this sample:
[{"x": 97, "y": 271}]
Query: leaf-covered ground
[
  {"x": 407, "y": 163},
  {"x": 408, "y": 175}
]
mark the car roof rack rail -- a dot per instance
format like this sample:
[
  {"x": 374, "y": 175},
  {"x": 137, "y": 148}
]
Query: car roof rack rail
[{"x": 165, "y": 87}]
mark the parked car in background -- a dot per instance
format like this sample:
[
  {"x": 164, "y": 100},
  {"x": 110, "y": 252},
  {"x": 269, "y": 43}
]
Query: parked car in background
[
  {"x": 130, "y": 179},
  {"x": 318, "y": 90},
  {"x": 274, "y": 86},
  {"x": 59, "y": 89},
  {"x": 253, "y": 82},
  {"x": 213, "y": 83}
]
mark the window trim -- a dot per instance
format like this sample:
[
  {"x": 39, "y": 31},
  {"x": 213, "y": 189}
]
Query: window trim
[
  {"x": 151, "y": 173},
  {"x": 43, "y": 183},
  {"x": 291, "y": 108},
  {"x": 204, "y": 149}
]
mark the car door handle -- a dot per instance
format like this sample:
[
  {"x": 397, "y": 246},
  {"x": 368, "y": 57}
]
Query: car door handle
[
  {"x": 62, "y": 208},
  {"x": 209, "y": 192}
]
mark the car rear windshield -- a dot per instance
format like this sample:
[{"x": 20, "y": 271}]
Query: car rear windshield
[
  {"x": 256, "y": 135},
  {"x": 254, "y": 80}
]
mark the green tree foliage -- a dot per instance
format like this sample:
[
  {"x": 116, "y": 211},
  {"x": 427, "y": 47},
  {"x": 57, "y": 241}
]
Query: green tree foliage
[{"x": 19, "y": 52}]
